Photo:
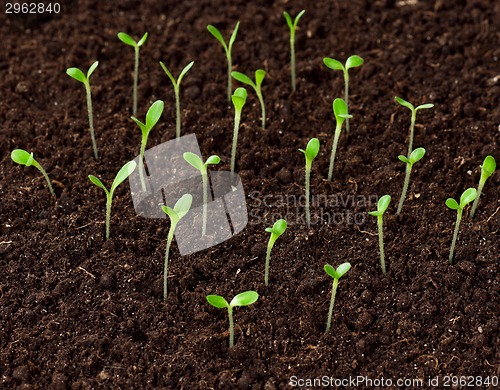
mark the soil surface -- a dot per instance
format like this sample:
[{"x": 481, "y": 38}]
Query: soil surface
[{"x": 80, "y": 312}]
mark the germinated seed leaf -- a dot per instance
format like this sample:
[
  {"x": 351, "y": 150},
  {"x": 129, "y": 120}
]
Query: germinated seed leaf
[
  {"x": 488, "y": 167},
  {"x": 353, "y": 62},
  {"x": 217, "y": 301},
  {"x": 452, "y": 204},
  {"x": 423, "y": 106},
  {"x": 216, "y": 33},
  {"x": 22, "y": 157},
  {"x": 404, "y": 103},
  {"x": 404, "y": 159},
  {"x": 279, "y": 227},
  {"x": 383, "y": 203},
  {"x": 468, "y": 196},
  {"x": 98, "y": 183},
  {"x": 375, "y": 213},
  {"x": 342, "y": 269},
  {"x": 170, "y": 76},
  {"x": 417, "y": 155},
  {"x": 339, "y": 110},
  {"x": 212, "y": 160},
  {"x": 126, "y": 39},
  {"x": 330, "y": 271},
  {"x": 183, "y": 205},
  {"x": 333, "y": 64},
  {"x": 184, "y": 71},
  {"x": 123, "y": 174},
  {"x": 193, "y": 160},
  {"x": 141, "y": 125},
  {"x": 243, "y": 78},
  {"x": 239, "y": 98},
  {"x": 77, "y": 74},
  {"x": 171, "y": 213},
  {"x": 288, "y": 20},
  {"x": 312, "y": 149},
  {"x": 154, "y": 113},
  {"x": 259, "y": 77},
  {"x": 142, "y": 40},
  {"x": 244, "y": 299},
  {"x": 233, "y": 35},
  {"x": 91, "y": 69},
  {"x": 297, "y": 18}
]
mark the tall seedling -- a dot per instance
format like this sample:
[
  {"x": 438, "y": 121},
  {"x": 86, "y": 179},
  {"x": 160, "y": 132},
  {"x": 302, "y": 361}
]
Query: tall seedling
[
  {"x": 340, "y": 112},
  {"x": 415, "y": 156},
  {"x": 292, "y": 25},
  {"x": 310, "y": 153},
  {"x": 259, "y": 77},
  {"x": 239, "y": 100},
  {"x": 487, "y": 169},
  {"x": 468, "y": 196},
  {"x": 382, "y": 205}
]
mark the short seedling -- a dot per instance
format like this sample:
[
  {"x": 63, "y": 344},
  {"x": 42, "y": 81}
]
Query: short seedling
[
  {"x": 352, "y": 62},
  {"x": 415, "y": 156},
  {"x": 382, "y": 205},
  {"x": 292, "y": 25},
  {"x": 22, "y": 157},
  {"x": 122, "y": 175},
  {"x": 310, "y": 153},
  {"x": 487, "y": 169},
  {"x": 259, "y": 77},
  {"x": 239, "y": 100},
  {"x": 468, "y": 196},
  {"x": 413, "y": 110},
  {"x": 128, "y": 40},
  {"x": 177, "y": 86},
  {"x": 227, "y": 49},
  {"x": 340, "y": 112},
  {"x": 78, "y": 75},
  {"x": 243, "y": 299},
  {"x": 152, "y": 118},
  {"x": 196, "y": 162},
  {"x": 276, "y": 231},
  {"x": 336, "y": 274},
  {"x": 180, "y": 209}
]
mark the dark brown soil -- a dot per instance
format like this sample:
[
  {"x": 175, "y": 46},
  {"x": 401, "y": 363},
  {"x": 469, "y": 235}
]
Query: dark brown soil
[{"x": 79, "y": 312}]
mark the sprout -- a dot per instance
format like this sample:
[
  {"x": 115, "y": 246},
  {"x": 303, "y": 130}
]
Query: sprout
[
  {"x": 239, "y": 100},
  {"x": 413, "y": 110},
  {"x": 22, "y": 157},
  {"x": 487, "y": 169},
  {"x": 382, "y": 205},
  {"x": 227, "y": 48},
  {"x": 152, "y": 118},
  {"x": 177, "y": 85},
  {"x": 311, "y": 152},
  {"x": 340, "y": 111},
  {"x": 468, "y": 196},
  {"x": 292, "y": 26},
  {"x": 352, "y": 62},
  {"x": 125, "y": 172},
  {"x": 196, "y": 162},
  {"x": 336, "y": 274},
  {"x": 128, "y": 40},
  {"x": 259, "y": 77},
  {"x": 180, "y": 209},
  {"x": 415, "y": 156},
  {"x": 243, "y": 299},
  {"x": 77, "y": 74},
  {"x": 276, "y": 231}
]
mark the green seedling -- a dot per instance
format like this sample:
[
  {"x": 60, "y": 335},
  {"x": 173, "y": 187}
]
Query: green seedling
[
  {"x": 227, "y": 49},
  {"x": 239, "y": 99},
  {"x": 243, "y": 299},
  {"x": 180, "y": 209},
  {"x": 177, "y": 86},
  {"x": 352, "y": 62},
  {"x": 276, "y": 231},
  {"x": 487, "y": 169},
  {"x": 123, "y": 174},
  {"x": 78, "y": 75},
  {"x": 152, "y": 117},
  {"x": 196, "y": 162},
  {"x": 128, "y": 40},
  {"x": 468, "y": 196},
  {"x": 340, "y": 112},
  {"x": 413, "y": 110},
  {"x": 382, "y": 205},
  {"x": 336, "y": 274},
  {"x": 22, "y": 157},
  {"x": 415, "y": 156},
  {"x": 259, "y": 77},
  {"x": 310, "y": 153},
  {"x": 292, "y": 25}
]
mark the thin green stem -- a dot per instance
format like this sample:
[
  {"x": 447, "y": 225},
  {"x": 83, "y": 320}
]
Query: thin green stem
[
  {"x": 231, "y": 327},
  {"x": 476, "y": 201},
  {"x": 455, "y": 234},
  {"x": 292, "y": 59},
  {"x": 141, "y": 163},
  {"x": 91, "y": 118},
  {"x": 262, "y": 108},
  {"x": 40, "y": 168},
  {"x": 346, "y": 99},
  {"x": 268, "y": 258},
  {"x": 412, "y": 129},
  {"x": 109, "y": 200},
  {"x": 204, "y": 178},
  {"x": 177, "y": 113},
  {"x": 334, "y": 150},
  {"x": 237, "y": 117},
  {"x": 380, "y": 223},
  {"x": 165, "y": 265},
  {"x": 136, "y": 77},
  {"x": 405, "y": 188},
  {"x": 308, "y": 179},
  {"x": 332, "y": 302},
  {"x": 229, "y": 77}
]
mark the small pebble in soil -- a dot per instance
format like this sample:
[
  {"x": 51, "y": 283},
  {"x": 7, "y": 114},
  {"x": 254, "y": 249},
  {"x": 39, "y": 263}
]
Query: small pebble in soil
[
  {"x": 21, "y": 373},
  {"x": 284, "y": 176},
  {"x": 107, "y": 281}
]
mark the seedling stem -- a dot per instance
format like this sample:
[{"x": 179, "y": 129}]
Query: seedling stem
[
  {"x": 341, "y": 115},
  {"x": 292, "y": 26},
  {"x": 487, "y": 169},
  {"x": 310, "y": 153},
  {"x": 382, "y": 205}
]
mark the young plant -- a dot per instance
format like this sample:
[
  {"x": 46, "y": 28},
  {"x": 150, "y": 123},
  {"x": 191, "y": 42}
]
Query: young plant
[
  {"x": 78, "y": 75},
  {"x": 259, "y": 77},
  {"x": 239, "y": 100},
  {"x": 413, "y": 110},
  {"x": 227, "y": 49},
  {"x": 415, "y": 156},
  {"x": 180, "y": 209},
  {"x": 123, "y": 174},
  {"x": 336, "y": 274},
  {"x": 352, "y": 62},
  {"x": 196, "y": 162},
  {"x": 292, "y": 25},
  {"x": 128, "y": 40},
  {"x": 152, "y": 117},
  {"x": 468, "y": 196},
  {"x": 276, "y": 231},
  {"x": 382, "y": 205},
  {"x": 310, "y": 153},
  {"x": 340, "y": 112},
  {"x": 487, "y": 169},
  {"x": 22, "y": 157},
  {"x": 177, "y": 86},
  {"x": 243, "y": 299}
]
